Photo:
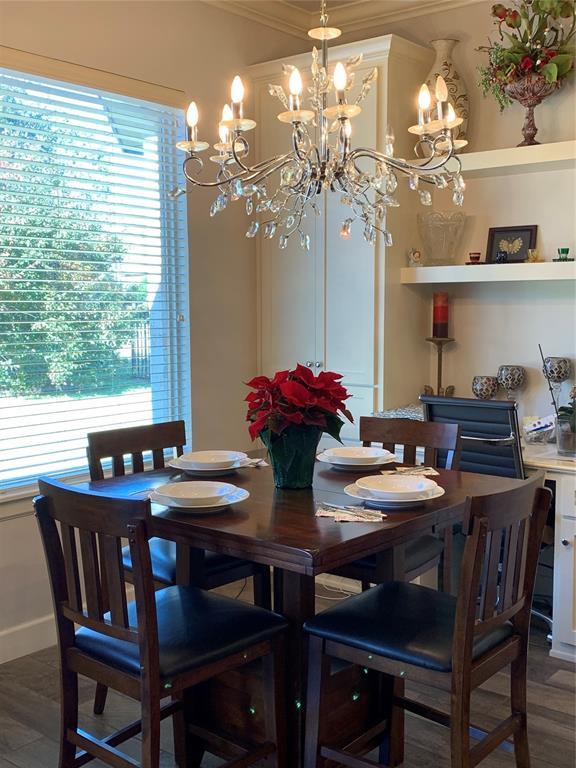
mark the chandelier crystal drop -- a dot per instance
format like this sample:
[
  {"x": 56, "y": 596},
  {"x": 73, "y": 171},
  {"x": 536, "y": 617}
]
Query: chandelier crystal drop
[{"x": 321, "y": 156}]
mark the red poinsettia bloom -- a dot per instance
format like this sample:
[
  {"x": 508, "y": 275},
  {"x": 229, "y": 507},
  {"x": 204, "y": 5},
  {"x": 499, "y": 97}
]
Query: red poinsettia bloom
[
  {"x": 527, "y": 63},
  {"x": 500, "y": 11},
  {"x": 297, "y": 397}
]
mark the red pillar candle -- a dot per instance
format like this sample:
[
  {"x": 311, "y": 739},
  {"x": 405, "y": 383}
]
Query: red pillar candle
[{"x": 440, "y": 316}]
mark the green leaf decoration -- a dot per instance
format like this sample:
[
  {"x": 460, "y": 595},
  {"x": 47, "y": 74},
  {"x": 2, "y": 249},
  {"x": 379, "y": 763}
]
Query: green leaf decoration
[
  {"x": 550, "y": 72},
  {"x": 563, "y": 62}
]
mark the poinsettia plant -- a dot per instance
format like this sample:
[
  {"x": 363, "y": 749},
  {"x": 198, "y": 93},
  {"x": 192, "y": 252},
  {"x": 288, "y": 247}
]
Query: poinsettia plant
[
  {"x": 297, "y": 397},
  {"x": 534, "y": 36}
]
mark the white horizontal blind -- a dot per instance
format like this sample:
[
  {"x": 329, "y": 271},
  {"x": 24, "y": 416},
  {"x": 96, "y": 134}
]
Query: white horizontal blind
[{"x": 93, "y": 272}]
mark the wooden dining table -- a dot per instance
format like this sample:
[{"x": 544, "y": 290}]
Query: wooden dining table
[{"x": 279, "y": 528}]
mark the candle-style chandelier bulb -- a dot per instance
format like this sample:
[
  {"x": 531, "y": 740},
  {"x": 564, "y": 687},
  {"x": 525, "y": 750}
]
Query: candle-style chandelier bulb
[
  {"x": 424, "y": 97},
  {"x": 237, "y": 90},
  {"x": 347, "y": 129},
  {"x": 451, "y": 114},
  {"x": 441, "y": 89},
  {"x": 340, "y": 78},
  {"x": 295, "y": 82},
  {"x": 223, "y": 131},
  {"x": 192, "y": 115}
]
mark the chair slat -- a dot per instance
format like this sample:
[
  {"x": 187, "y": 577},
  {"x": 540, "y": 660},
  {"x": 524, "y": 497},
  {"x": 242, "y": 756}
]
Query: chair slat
[
  {"x": 522, "y": 546},
  {"x": 493, "y": 573},
  {"x": 158, "y": 458},
  {"x": 91, "y": 574},
  {"x": 409, "y": 455},
  {"x": 508, "y": 565},
  {"x": 137, "y": 462},
  {"x": 113, "y": 568},
  {"x": 70, "y": 553},
  {"x": 430, "y": 456},
  {"x": 118, "y": 466}
]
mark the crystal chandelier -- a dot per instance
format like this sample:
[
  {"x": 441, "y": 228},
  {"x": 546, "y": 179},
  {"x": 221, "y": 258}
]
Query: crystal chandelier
[{"x": 321, "y": 156}]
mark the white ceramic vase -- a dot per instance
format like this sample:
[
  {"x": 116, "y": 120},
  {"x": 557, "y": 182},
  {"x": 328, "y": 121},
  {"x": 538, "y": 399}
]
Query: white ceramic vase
[{"x": 457, "y": 93}]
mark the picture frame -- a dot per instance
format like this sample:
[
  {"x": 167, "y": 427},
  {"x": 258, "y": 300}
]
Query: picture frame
[{"x": 519, "y": 239}]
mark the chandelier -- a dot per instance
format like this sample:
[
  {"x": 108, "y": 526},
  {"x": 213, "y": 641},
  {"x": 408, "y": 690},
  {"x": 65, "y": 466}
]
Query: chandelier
[{"x": 321, "y": 156}]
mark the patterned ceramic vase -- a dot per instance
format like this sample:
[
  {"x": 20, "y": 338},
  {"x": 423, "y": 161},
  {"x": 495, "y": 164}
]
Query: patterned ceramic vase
[
  {"x": 557, "y": 369},
  {"x": 511, "y": 378},
  {"x": 530, "y": 91},
  {"x": 457, "y": 93},
  {"x": 485, "y": 387}
]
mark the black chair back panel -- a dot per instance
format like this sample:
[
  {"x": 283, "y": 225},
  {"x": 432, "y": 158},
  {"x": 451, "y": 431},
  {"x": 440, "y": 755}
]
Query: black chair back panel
[{"x": 489, "y": 431}]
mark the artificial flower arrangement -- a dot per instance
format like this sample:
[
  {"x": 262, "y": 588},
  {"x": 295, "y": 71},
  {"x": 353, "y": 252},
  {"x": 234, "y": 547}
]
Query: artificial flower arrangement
[
  {"x": 535, "y": 37},
  {"x": 289, "y": 413}
]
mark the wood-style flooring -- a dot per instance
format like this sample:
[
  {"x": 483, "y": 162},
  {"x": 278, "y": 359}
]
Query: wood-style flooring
[{"x": 29, "y": 713}]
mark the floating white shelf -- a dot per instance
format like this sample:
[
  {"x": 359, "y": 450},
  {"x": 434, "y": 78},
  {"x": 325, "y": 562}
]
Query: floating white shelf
[
  {"x": 557, "y": 156},
  {"x": 489, "y": 273}
]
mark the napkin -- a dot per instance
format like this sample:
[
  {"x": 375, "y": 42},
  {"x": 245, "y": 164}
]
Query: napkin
[
  {"x": 410, "y": 471},
  {"x": 350, "y": 514}
]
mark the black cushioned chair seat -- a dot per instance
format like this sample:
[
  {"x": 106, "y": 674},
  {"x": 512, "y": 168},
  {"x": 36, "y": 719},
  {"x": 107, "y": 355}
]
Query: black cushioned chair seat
[
  {"x": 195, "y": 627},
  {"x": 400, "y": 621},
  {"x": 163, "y": 556},
  {"x": 417, "y": 552}
]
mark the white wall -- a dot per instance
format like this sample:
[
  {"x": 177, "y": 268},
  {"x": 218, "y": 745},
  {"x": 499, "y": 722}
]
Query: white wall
[{"x": 195, "y": 48}]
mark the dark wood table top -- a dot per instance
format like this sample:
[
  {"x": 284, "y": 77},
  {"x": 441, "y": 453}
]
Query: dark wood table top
[{"x": 279, "y": 527}]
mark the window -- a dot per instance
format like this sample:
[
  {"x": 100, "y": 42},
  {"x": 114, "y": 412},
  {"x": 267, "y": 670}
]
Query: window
[{"x": 93, "y": 272}]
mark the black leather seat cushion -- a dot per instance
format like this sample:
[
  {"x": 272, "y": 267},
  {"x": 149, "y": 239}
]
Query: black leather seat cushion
[
  {"x": 400, "y": 621},
  {"x": 195, "y": 627},
  {"x": 163, "y": 556},
  {"x": 417, "y": 553}
]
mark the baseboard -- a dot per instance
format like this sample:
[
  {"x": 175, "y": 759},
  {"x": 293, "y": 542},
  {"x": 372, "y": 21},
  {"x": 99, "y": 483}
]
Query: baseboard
[
  {"x": 567, "y": 655},
  {"x": 26, "y": 638}
]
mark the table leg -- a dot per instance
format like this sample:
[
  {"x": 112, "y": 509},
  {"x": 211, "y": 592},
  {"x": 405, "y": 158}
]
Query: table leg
[{"x": 298, "y": 606}]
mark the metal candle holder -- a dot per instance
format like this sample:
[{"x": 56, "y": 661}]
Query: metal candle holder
[{"x": 439, "y": 343}]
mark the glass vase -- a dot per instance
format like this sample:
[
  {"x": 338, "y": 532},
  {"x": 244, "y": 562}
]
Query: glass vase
[
  {"x": 565, "y": 438},
  {"x": 292, "y": 455}
]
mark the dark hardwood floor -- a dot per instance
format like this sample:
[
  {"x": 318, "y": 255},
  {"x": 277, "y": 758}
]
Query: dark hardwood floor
[{"x": 29, "y": 712}]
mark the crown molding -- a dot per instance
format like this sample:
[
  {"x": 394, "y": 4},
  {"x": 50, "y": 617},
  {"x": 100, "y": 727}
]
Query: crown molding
[{"x": 362, "y": 15}]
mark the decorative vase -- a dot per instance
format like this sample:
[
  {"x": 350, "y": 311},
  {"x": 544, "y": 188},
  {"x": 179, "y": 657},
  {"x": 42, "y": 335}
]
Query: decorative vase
[
  {"x": 484, "y": 387},
  {"x": 530, "y": 91},
  {"x": 511, "y": 378},
  {"x": 441, "y": 234},
  {"x": 565, "y": 438},
  {"x": 457, "y": 93},
  {"x": 292, "y": 455}
]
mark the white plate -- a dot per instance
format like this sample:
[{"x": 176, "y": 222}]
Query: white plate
[
  {"x": 358, "y": 493},
  {"x": 396, "y": 487},
  {"x": 390, "y": 459},
  {"x": 211, "y": 459},
  {"x": 357, "y": 455},
  {"x": 201, "y": 472},
  {"x": 240, "y": 494},
  {"x": 196, "y": 493}
]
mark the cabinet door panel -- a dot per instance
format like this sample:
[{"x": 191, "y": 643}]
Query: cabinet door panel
[
  {"x": 564, "y": 582},
  {"x": 350, "y": 275}
]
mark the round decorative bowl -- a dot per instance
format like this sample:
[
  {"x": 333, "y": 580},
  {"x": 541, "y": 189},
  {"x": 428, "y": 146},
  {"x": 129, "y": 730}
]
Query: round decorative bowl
[
  {"x": 511, "y": 378},
  {"x": 558, "y": 369},
  {"x": 441, "y": 233},
  {"x": 485, "y": 387}
]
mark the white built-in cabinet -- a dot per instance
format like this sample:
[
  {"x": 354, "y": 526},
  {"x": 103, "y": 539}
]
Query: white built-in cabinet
[{"x": 340, "y": 306}]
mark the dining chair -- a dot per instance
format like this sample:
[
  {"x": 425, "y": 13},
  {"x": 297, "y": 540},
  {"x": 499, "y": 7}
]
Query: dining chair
[
  {"x": 427, "y": 551},
  {"x": 217, "y": 569},
  {"x": 158, "y": 646},
  {"x": 413, "y": 633}
]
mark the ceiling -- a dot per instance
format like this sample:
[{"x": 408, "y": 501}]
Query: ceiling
[{"x": 298, "y": 16}]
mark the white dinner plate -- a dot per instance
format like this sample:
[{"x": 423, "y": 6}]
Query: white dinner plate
[
  {"x": 239, "y": 495},
  {"x": 390, "y": 459},
  {"x": 358, "y": 493},
  {"x": 211, "y": 459},
  {"x": 396, "y": 487},
  {"x": 357, "y": 454},
  {"x": 202, "y": 472}
]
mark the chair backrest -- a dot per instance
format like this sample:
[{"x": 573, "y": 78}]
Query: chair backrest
[
  {"x": 82, "y": 534},
  {"x": 489, "y": 430},
  {"x": 503, "y": 535},
  {"x": 411, "y": 435},
  {"x": 115, "y": 444}
]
